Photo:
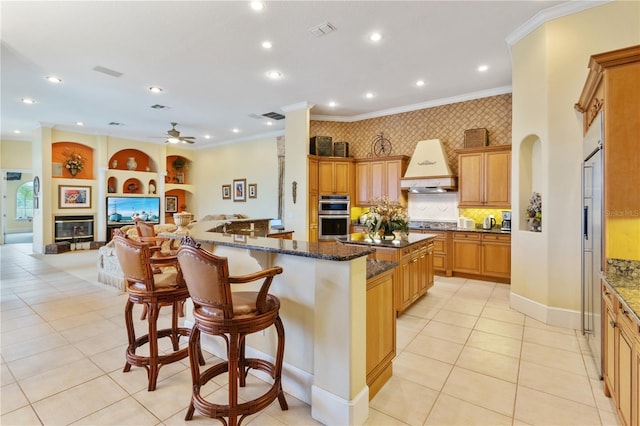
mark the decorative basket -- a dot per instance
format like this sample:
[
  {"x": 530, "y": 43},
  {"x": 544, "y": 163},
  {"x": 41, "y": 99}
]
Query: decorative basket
[{"x": 474, "y": 138}]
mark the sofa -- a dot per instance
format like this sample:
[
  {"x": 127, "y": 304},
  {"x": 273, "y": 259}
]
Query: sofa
[{"x": 109, "y": 272}]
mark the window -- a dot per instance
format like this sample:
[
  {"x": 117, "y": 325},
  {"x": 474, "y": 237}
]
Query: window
[{"x": 24, "y": 201}]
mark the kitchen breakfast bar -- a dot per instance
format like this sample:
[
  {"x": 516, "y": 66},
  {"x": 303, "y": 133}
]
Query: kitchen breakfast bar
[{"x": 323, "y": 295}]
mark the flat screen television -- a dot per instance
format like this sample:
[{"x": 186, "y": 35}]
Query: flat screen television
[{"x": 126, "y": 209}]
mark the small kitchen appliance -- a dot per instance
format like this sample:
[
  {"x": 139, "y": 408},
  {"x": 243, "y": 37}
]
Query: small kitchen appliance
[
  {"x": 506, "y": 221},
  {"x": 488, "y": 222}
]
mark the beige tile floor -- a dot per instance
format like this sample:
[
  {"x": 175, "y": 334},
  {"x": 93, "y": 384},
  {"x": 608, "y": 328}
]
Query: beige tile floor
[{"x": 464, "y": 358}]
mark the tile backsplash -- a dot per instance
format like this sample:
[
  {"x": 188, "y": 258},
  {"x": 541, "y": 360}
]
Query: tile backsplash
[{"x": 438, "y": 207}]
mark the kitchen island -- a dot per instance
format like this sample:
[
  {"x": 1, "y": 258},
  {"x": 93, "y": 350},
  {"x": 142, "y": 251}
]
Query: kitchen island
[
  {"x": 323, "y": 295},
  {"x": 414, "y": 254}
]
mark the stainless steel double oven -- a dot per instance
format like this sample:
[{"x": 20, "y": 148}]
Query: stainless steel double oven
[{"x": 334, "y": 216}]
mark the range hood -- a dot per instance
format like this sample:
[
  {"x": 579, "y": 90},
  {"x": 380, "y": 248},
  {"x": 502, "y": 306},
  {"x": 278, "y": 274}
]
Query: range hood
[{"x": 428, "y": 171}]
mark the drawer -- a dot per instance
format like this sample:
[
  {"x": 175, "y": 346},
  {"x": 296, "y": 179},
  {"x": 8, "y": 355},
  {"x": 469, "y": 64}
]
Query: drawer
[
  {"x": 438, "y": 246},
  {"x": 496, "y": 238},
  {"x": 438, "y": 262},
  {"x": 466, "y": 236},
  {"x": 626, "y": 318},
  {"x": 607, "y": 296}
]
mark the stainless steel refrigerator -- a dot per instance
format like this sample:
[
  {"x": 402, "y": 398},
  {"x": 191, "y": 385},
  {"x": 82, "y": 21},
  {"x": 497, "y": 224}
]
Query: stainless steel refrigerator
[{"x": 592, "y": 218}]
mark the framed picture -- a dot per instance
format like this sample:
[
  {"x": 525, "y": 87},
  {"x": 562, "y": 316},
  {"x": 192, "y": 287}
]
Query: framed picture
[
  {"x": 239, "y": 238},
  {"x": 74, "y": 197},
  {"x": 171, "y": 204},
  {"x": 239, "y": 190},
  {"x": 253, "y": 190},
  {"x": 226, "y": 192}
]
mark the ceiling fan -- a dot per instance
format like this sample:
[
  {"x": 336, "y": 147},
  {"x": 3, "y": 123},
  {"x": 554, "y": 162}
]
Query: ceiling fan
[{"x": 173, "y": 136}]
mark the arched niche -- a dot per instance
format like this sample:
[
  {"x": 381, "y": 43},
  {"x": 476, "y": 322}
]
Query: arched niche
[
  {"x": 118, "y": 161},
  {"x": 61, "y": 152},
  {"x": 132, "y": 186},
  {"x": 530, "y": 178}
]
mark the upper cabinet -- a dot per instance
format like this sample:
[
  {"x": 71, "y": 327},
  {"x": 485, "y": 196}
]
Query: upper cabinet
[
  {"x": 376, "y": 177},
  {"x": 335, "y": 175},
  {"x": 484, "y": 177}
]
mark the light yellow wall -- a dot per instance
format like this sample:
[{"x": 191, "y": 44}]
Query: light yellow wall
[
  {"x": 296, "y": 170},
  {"x": 255, "y": 160},
  {"x": 15, "y": 155},
  {"x": 549, "y": 70}
]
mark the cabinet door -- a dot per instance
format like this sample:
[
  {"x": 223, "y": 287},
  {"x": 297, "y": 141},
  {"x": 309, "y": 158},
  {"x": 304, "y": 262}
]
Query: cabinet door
[
  {"x": 404, "y": 294},
  {"x": 466, "y": 253},
  {"x": 363, "y": 184},
  {"x": 608, "y": 339},
  {"x": 378, "y": 180},
  {"x": 394, "y": 171},
  {"x": 497, "y": 178},
  {"x": 325, "y": 177},
  {"x": 342, "y": 177},
  {"x": 624, "y": 360},
  {"x": 470, "y": 177},
  {"x": 313, "y": 175},
  {"x": 496, "y": 256}
]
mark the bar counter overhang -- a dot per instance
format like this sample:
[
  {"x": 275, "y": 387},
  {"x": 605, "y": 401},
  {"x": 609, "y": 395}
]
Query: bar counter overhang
[{"x": 322, "y": 292}]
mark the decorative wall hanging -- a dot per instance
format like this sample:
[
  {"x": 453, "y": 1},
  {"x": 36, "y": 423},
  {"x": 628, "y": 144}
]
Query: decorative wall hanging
[
  {"x": 253, "y": 190},
  {"x": 226, "y": 192},
  {"x": 74, "y": 197},
  {"x": 239, "y": 190}
]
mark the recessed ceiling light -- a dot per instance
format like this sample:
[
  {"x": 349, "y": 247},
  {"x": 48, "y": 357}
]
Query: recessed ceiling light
[
  {"x": 155, "y": 89},
  {"x": 257, "y": 5},
  {"x": 369, "y": 95},
  {"x": 207, "y": 136},
  {"x": 274, "y": 75},
  {"x": 17, "y": 131},
  {"x": 235, "y": 130},
  {"x": 375, "y": 37},
  {"x": 269, "y": 123},
  {"x": 483, "y": 68},
  {"x": 53, "y": 79},
  {"x": 332, "y": 104},
  {"x": 79, "y": 123},
  {"x": 27, "y": 101},
  {"x": 267, "y": 44},
  {"x": 420, "y": 83}
]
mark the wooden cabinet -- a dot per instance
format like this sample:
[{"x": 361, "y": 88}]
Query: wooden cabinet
[
  {"x": 414, "y": 274},
  {"x": 621, "y": 356},
  {"x": 379, "y": 177},
  {"x": 313, "y": 199},
  {"x": 484, "y": 177},
  {"x": 381, "y": 331},
  {"x": 613, "y": 86},
  {"x": 487, "y": 255},
  {"x": 466, "y": 252},
  {"x": 335, "y": 176}
]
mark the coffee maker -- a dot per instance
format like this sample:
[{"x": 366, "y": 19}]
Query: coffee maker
[{"x": 506, "y": 221}]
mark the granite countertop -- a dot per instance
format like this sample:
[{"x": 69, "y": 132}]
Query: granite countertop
[
  {"x": 258, "y": 233},
  {"x": 363, "y": 239},
  {"x": 624, "y": 277},
  {"x": 335, "y": 252},
  {"x": 376, "y": 267},
  {"x": 432, "y": 225}
]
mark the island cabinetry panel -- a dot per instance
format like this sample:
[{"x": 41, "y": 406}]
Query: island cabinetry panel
[
  {"x": 381, "y": 330},
  {"x": 380, "y": 177},
  {"x": 484, "y": 177},
  {"x": 441, "y": 248},
  {"x": 313, "y": 199},
  {"x": 335, "y": 176}
]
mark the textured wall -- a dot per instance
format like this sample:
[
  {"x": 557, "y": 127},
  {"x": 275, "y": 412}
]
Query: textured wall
[{"x": 446, "y": 122}]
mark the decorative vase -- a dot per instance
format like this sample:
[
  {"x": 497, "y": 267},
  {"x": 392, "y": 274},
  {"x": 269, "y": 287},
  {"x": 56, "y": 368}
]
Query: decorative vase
[
  {"x": 73, "y": 170},
  {"x": 114, "y": 164},
  {"x": 182, "y": 220},
  {"x": 131, "y": 163},
  {"x": 388, "y": 235}
]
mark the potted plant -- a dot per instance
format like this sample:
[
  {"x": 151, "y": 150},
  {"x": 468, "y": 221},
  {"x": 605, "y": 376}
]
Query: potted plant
[{"x": 73, "y": 162}]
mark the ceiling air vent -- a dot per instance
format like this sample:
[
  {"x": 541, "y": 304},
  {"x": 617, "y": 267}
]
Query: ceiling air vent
[
  {"x": 273, "y": 115},
  {"x": 115, "y": 123},
  {"x": 107, "y": 71},
  {"x": 158, "y": 106},
  {"x": 322, "y": 29}
]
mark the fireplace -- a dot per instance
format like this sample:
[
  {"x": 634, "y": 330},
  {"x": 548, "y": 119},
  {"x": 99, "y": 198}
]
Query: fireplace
[{"x": 74, "y": 229}]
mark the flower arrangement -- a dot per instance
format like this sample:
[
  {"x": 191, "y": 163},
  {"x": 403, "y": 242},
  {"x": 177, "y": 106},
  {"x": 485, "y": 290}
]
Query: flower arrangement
[
  {"x": 386, "y": 217},
  {"x": 74, "y": 162},
  {"x": 534, "y": 211}
]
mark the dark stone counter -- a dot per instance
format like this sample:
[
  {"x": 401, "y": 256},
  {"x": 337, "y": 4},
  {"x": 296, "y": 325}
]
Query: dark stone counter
[
  {"x": 376, "y": 267},
  {"x": 624, "y": 277},
  {"x": 362, "y": 239}
]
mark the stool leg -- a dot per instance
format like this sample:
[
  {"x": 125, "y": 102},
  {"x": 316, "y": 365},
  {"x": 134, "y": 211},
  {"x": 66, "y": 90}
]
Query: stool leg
[
  {"x": 279, "y": 360},
  {"x": 242, "y": 364},
  {"x": 194, "y": 357},
  {"x": 152, "y": 318},
  {"x": 175, "y": 335},
  {"x": 131, "y": 333},
  {"x": 233, "y": 377}
]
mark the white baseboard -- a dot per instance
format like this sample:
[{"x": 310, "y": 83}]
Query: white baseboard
[
  {"x": 557, "y": 317},
  {"x": 329, "y": 409}
]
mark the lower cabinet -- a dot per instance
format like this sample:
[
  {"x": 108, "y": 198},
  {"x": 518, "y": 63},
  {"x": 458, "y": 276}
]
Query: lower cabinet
[
  {"x": 381, "y": 330},
  {"x": 482, "y": 255},
  {"x": 621, "y": 356}
]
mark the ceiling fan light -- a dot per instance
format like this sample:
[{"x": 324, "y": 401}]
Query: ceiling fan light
[{"x": 173, "y": 140}]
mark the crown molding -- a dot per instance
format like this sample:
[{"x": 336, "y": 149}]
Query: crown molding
[
  {"x": 298, "y": 106},
  {"x": 423, "y": 105},
  {"x": 274, "y": 133}
]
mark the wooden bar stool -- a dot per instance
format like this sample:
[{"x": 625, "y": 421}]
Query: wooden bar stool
[
  {"x": 153, "y": 291},
  {"x": 231, "y": 315}
]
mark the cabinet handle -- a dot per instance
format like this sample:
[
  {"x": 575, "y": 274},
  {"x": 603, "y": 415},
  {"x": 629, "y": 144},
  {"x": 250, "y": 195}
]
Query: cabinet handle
[{"x": 612, "y": 323}]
